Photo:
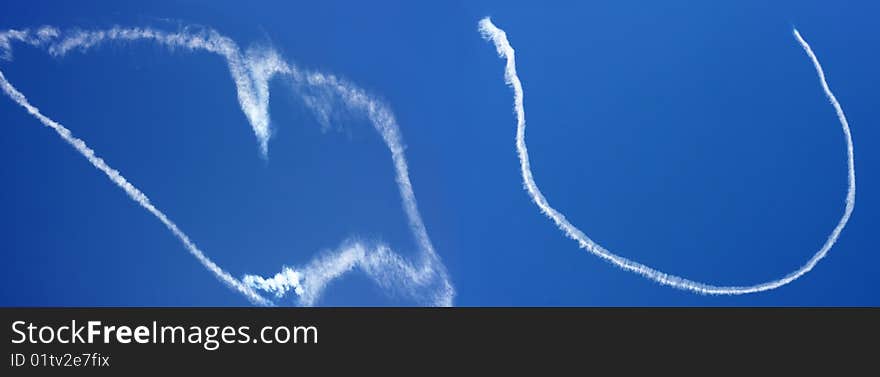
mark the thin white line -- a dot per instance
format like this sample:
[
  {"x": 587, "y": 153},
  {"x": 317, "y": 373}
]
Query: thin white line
[{"x": 505, "y": 50}]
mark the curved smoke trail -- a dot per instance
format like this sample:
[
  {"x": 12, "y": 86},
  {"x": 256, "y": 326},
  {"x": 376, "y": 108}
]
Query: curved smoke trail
[
  {"x": 425, "y": 281},
  {"x": 506, "y": 51}
]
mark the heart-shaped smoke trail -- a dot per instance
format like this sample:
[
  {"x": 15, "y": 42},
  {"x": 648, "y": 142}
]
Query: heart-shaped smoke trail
[
  {"x": 505, "y": 50},
  {"x": 424, "y": 280}
]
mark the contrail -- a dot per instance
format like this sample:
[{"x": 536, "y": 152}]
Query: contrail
[
  {"x": 132, "y": 191},
  {"x": 426, "y": 281},
  {"x": 506, "y": 51}
]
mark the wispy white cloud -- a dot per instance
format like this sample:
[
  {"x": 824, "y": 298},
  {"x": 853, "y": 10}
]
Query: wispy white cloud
[
  {"x": 424, "y": 280},
  {"x": 499, "y": 38}
]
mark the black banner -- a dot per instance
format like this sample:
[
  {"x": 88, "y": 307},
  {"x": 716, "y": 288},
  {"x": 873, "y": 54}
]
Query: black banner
[{"x": 129, "y": 340}]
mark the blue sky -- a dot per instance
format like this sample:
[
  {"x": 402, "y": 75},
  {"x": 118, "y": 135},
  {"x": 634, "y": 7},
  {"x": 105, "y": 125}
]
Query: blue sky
[{"x": 692, "y": 138}]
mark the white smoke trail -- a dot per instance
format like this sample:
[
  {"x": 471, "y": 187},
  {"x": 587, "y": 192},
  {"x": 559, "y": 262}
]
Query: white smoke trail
[
  {"x": 132, "y": 191},
  {"x": 251, "y": 73},
  {"x": 42, "y": 35},
  {"x": 505, "y": 50}
]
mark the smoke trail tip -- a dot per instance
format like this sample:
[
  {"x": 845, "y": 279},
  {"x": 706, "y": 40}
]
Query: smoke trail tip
[
  {"x": 264, "y": 149},
  {"x": 486, "y": 27}
]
